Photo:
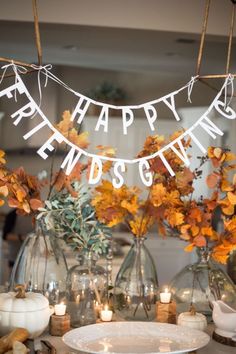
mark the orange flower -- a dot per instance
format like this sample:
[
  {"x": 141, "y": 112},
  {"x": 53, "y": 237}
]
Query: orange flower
[
  {"x": 114, "y": 205},
  {"x": 158, "y": 194},
  {"x": 217, "y": 155},
  {"x": 221, "y": 252},
  {"x": 2, "y": 159},
  {"x": 140, "y": 225}
]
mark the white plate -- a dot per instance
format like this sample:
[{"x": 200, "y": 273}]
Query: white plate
[{"x": 135, "y": 338}]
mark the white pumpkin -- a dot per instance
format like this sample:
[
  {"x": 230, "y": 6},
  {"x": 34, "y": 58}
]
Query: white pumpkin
[
  {"x": 192, "y": 319},
  {"x": 26, "y": 310}
]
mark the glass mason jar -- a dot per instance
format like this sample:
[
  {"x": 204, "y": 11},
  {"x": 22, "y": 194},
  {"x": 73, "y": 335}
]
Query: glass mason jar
[
  {"x": 136, "y": 285},
  {"x": 201, "y": 283},
  {"x": 41, "y": 265},
  {"x": 231, "y": 266},
  {"x": 86, "y": 290}
]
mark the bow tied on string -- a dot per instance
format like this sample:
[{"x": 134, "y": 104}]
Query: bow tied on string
[
  {"x": 17, "y": 69},
  {"x": 45, "y": 69},
  {"x": 190, "y": 87},
  {"x": 229, "y": 87}
]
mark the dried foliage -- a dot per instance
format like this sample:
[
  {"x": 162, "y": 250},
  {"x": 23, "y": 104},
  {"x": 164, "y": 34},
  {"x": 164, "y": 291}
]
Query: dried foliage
[{"x": 170, "y": 203}]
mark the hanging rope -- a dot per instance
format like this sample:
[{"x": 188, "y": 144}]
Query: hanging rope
[
  {"x": 38, "y": 47},
  {"x": 231, "y": 32},
  {"x": 203, "y": 35},
  {"x": 37, "y": 32},
  {"x": 202, "y": 43}
]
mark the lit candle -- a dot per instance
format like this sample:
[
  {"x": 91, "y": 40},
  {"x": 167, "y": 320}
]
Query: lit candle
[
  {"x": 106, "y": 315},
  {"x": 128, "y": 300},
  {"x": 60, "y": 309},
  {"x": 165, "y": 296}
]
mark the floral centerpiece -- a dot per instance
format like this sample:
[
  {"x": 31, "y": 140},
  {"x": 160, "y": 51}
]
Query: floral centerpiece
[
  {"x": 171, "y": 207},
  {"x": 66, "y": 213},
  {"x": 170, "y": 204}
]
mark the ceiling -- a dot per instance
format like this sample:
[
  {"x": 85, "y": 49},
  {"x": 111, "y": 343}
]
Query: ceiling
[
  {"x": 119, "y": 49},
  {"x": 160, "y": 36}
]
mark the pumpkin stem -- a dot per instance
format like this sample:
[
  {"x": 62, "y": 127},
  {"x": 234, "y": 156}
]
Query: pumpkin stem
[
  {"x": 192, "y": 310},
  {"x": 20, "y": 291}
]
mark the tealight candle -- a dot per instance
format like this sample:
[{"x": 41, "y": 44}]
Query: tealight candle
[
  {"x": 60, "y": 309},
  {"x": 106, "y": 315},
  {"x": 165, "y": 296}
]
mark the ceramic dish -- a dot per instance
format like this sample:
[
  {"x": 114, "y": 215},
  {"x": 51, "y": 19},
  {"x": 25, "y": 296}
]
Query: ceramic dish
[{"x": 135, "y": 338}]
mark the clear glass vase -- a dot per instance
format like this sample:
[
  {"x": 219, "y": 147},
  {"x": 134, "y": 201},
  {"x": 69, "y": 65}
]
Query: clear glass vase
[
  {"x": 200, "y": 283},
  {"x": 231, "y": 266},
  {"x": 136, "y": 285},
  {"x": 41, "y": 265},
  {"x": 87, "y": 290}
]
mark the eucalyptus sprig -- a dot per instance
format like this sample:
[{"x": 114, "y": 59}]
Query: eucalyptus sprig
[{"x": 73, "y": 218}]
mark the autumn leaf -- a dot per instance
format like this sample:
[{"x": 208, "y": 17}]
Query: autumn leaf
[
  {"x": 184, "y": 232},
  {"x": 217, "y": 152},
  {"x": 230, "y": 156},
  {"x": 4, "y": 191},
  {"x": 234, "y": 180},
  {"x": 131, "y": 205},
  {"x": 106, "y": 150},
  {"x": 221, "y": 252},
  {"x": 106, "y": 166},
  {"x": 184, "y": 180},
  {"x": 140, "y": 225},
  {"x": 151, "y": 145},
  {"x": 207, "y": 231},
  {"x": 195, "y": 213},
  {"x": 195, "y": 230},
  {"x": 173, "y": 198},
  {"x": 232, "y": 197},
  {"x": 26, "y": 207},
  {"x": 200, "y": 241},
  {"x": 2, "y": 159},
  {"x": 226, "y": 186},
  {"x": 158, "y": 194},
  {"x": 226, "y": 206},
  {"x": 212, "y": 180},
  {"x": 65, "y": 124},
  {"x": 35, "y": 204},
  {"x": 230, "y": 225},
  {"x": 95, "y": 170},
  {"x": 189, "y": 248},
  {"x": 13, "y": 202},
  {"x": 211, "y": 204},
  {"x": 20, "y": 193},
  {"x": 59, "y": 181},
  {"x": 81, "y": 140},
  {"x": 174, "y": 218},
  {"x": 217, "y": 156}
]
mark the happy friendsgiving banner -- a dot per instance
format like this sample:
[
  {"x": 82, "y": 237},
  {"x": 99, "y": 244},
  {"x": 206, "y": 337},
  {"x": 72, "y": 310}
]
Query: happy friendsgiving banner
[{"x": 31, "y": 109}]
